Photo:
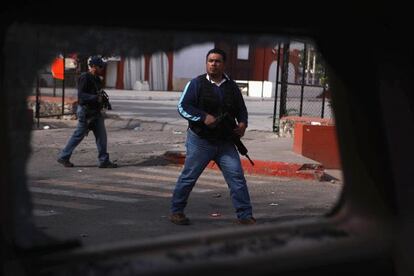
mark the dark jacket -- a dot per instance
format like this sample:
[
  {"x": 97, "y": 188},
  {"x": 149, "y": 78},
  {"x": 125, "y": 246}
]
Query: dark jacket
[
  {"x": 88, "y": 87},
  {"x": 201, "y": 97}
]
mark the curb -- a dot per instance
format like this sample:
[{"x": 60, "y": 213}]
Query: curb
[{"x": 261, "y": 167}]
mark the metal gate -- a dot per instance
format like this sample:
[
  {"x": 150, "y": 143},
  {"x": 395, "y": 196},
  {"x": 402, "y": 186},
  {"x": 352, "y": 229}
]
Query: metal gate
[
  {"x": 56, "y": 91},
  {"x": 301, "y": 83}
]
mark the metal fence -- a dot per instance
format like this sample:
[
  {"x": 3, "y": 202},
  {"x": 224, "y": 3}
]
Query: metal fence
[
  {"x": 52, "y": 97},
  {"x": 301, "y": 80}
]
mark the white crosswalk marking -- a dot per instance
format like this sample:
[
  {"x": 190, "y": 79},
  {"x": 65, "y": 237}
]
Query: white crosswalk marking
[
  {"x": 66, "y": 204},
  {"x": 44, "y": 213},
  {"x": 101, "y": 187},
  {"x": 163, "y": 185},
  {"x": 83, "y": 195},
  {"x": 168, "y": 178},
  {"x": 153, "y": 181}
]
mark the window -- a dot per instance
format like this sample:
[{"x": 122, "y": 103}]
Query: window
[{"x": 243, "y": 52}]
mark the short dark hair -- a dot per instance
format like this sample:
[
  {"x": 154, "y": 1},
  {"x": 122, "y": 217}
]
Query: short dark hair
[{"x": 217, "y": 51}]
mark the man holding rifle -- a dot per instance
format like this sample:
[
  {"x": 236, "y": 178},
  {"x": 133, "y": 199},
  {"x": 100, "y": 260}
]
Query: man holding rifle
[
  {"x": 91, "y": 100},
  {"x": 217, "y": 116}
]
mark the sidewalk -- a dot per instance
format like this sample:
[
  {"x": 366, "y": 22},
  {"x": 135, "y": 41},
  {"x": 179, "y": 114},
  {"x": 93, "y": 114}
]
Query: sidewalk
[
  {"x": 271, "y": 154},
  {"x": 160, "y": 95},
  {"x": 117, "y": 94}
]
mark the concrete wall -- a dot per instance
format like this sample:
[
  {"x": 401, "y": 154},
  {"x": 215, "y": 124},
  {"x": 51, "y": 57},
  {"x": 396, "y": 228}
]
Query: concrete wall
[
  {"x": 189, "y": 63},
  {"x": 264, "y": 89}
]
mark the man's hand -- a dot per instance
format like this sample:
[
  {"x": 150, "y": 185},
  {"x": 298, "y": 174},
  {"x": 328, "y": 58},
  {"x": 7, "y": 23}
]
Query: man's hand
[
  {"x": 209, "y": 120},
  {"x": 240, "y": 129},
  {"x": 100, "y": 99}
]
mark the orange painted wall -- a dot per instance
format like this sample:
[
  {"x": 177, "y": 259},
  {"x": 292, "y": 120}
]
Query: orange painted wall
[
  {"x": 263, "y": 58},
  {"x": 317, "y": 142}
]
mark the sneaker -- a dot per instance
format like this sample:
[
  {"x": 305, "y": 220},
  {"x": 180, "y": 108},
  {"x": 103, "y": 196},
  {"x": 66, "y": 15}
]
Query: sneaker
[
  {"x": 179, "y": 219},
  {"x": 247, "y": 221},
  {"x": 108, "y": 164},
  {"x": 65, "y": 163}
]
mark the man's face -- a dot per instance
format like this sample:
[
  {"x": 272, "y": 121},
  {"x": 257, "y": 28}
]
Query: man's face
[
  {"x": 98, "y": 69},
  {"x": 215, "y": 64}
]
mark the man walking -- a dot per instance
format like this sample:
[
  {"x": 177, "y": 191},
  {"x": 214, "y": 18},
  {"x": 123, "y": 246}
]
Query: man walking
[{"x": 89, "y": 115}]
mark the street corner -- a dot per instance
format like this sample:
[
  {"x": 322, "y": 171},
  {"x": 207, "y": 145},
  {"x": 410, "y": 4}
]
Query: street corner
[
  {"x": 176, "y": 157},
  {"x": 261, "y": 167},
  {"x": 285, "y": 169}
]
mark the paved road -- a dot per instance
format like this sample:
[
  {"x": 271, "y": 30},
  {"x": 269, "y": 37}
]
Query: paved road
[
  {"x": 132, "y": 201},
  {"x": 260, "y": 112}
]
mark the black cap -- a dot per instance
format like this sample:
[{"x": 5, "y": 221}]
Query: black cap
[{"x": 96, "y": 61}]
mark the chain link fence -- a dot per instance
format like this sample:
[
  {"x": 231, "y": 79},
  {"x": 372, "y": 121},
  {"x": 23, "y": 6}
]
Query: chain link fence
[
  {"x": 301, "y": 88},
  {"x": 54, "y": 97}
]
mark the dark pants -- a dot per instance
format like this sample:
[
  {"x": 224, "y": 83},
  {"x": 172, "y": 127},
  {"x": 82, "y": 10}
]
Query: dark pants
[
  {"x": 81, "y": 130},
  {"x": 199, "y": 153}
]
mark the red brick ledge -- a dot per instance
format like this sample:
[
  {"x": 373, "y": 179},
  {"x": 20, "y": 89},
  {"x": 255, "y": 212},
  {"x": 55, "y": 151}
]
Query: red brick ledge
[
  {"x": 308, "y": 119},
  {"x": 270, "y": 168}
]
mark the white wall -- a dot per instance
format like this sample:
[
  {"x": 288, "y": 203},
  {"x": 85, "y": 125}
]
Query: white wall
[
  {"x": 273, "y": 71},
  {"x": 189, "y": 63},
  {"x": 263, "y": 89}
]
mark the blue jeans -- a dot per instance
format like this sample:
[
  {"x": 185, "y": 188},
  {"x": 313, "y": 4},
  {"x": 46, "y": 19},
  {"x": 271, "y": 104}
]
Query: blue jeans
[
  {"x": 81, "y": 130},
  {"x": 199, "y": 153}
]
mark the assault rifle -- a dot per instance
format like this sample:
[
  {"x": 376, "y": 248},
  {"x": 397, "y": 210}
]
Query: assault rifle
[
  {"x": 93, "y": 116},
  {"x": 228, "y": 125},
  {"x": 105, "y": 100}
]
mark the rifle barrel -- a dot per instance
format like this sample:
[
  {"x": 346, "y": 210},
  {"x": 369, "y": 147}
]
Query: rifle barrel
[
  {"x": 251, "y": 161},
  {"x": 241, "y": 148}
]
